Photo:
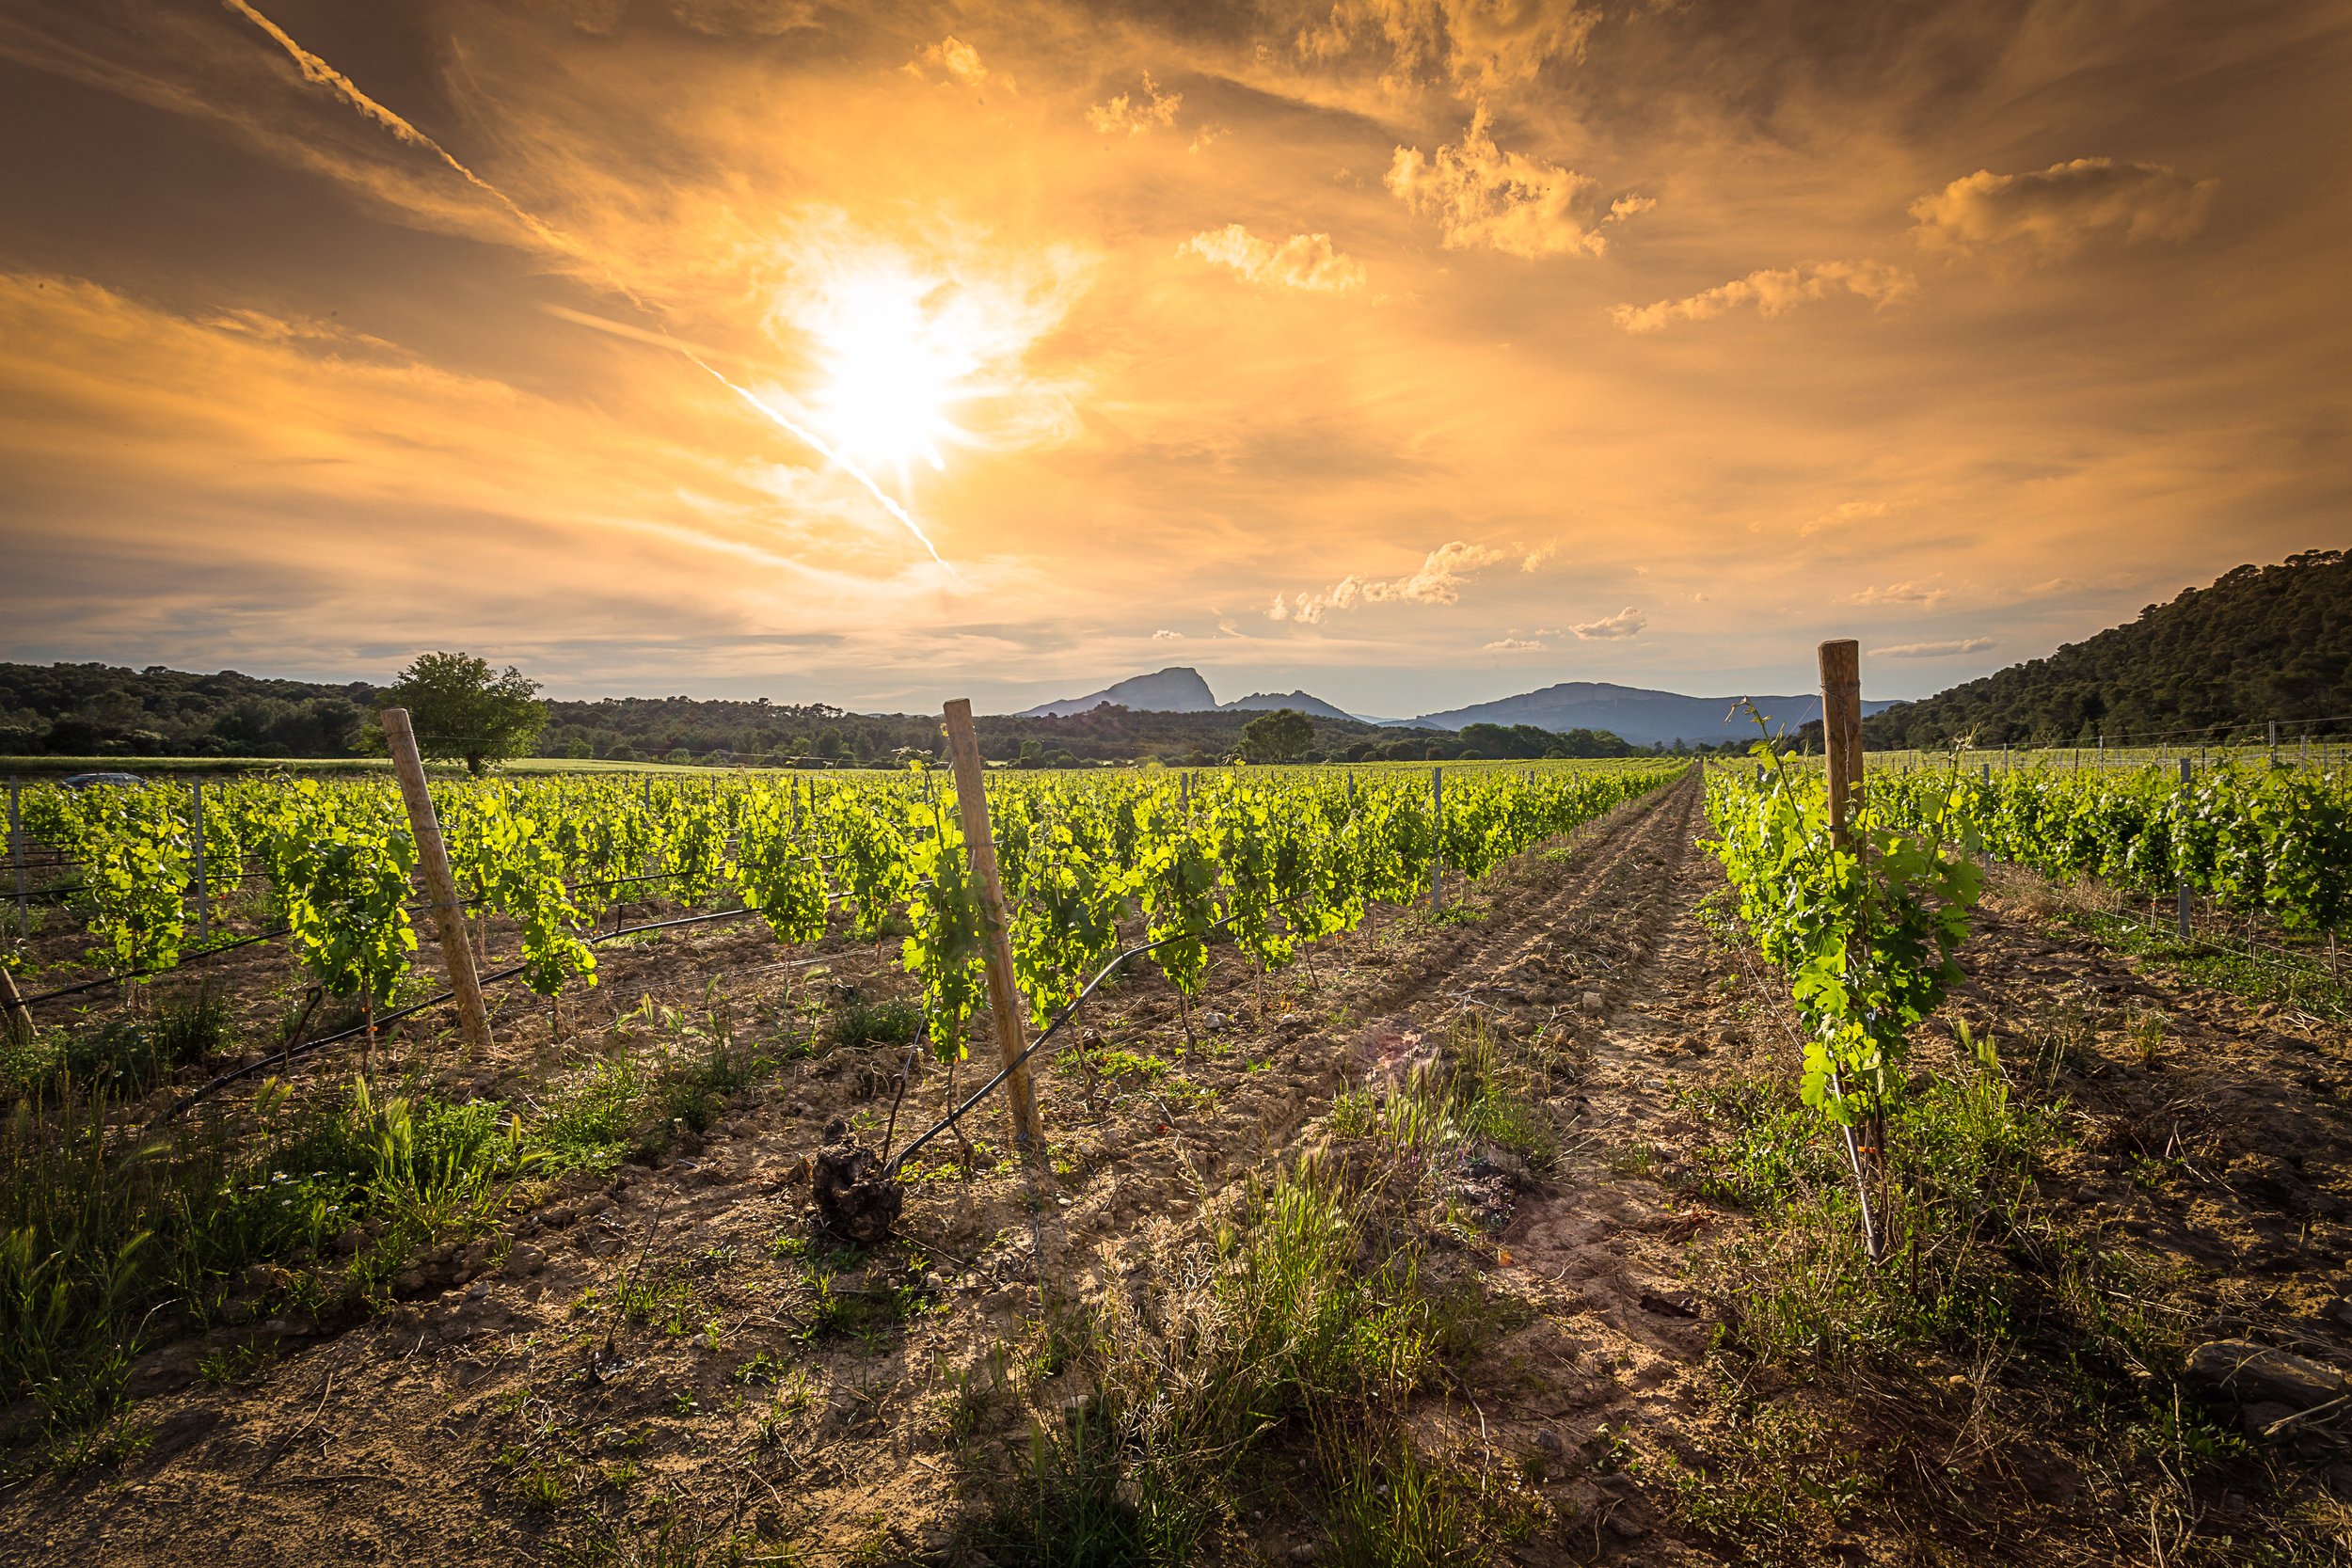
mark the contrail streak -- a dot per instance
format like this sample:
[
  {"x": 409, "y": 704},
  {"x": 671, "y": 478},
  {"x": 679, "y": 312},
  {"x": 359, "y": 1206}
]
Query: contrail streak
[
  {"x": 316, "y": 70},
  {"x": 818, "y": 443}
]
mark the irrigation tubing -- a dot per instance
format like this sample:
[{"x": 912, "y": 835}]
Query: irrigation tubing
[
  {"x": 150, "y": 974},
  {"x": 306, "y": 1047}
]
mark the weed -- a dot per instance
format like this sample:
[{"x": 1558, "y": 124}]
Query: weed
[
  {"x": 886, "y": 1022},
  {"x": 1391, "y": 1510}
]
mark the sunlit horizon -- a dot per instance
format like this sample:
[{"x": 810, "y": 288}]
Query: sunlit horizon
[{"x": 1411, "y": 357}]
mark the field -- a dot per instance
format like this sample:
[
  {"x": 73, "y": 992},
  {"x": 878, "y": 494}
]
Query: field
[{"x": 1493, "y": 1227}]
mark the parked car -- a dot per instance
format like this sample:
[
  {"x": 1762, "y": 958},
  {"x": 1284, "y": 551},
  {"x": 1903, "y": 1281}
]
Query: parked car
[{"x": 120, "y": 781}]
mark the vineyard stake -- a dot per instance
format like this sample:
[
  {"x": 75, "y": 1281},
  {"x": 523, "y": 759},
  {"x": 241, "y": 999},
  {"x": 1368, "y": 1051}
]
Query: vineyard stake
[
  {"x": 449, "y": 919},
  {"x": 1841, "y": 756},
  {"x": 1841, "y": 735},
  {"x": 1437, "y": 833},
  {"x": 963, "y": 748},
  {"x": 16, "y": 849},
  {"x": 2181, "y": 894},
  {"x": 203, "y": 889}
]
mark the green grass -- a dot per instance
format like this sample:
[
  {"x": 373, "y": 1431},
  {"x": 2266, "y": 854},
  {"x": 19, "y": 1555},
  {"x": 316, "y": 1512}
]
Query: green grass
[
  {"x": 127, "y": 1056},
  {"x": 887, "y": 1022},
  {"x": 1961, "y": 1201},
  {"x": 1295, "y": 1332},
  {"x": 2290, "y": 979}
]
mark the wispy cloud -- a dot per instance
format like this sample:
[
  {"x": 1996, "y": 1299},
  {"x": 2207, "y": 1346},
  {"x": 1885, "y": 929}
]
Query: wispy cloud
[
  {"x": 1308, "y": 261},
  {"x": 1898, "y": 593},
  {"x": 1166, "y": 636},
  {"x": 1842, "y": 513},
  {"x": 951, "y": 59},
  {"x": 1482, "y": 196},
  {"x": 1440, "y": 580},
  {"x": 1774, "y": 292},
  {"x": 1935, "y": 650},
  {"x": 1625, "y": 623},
  {"x": 1133, "y": 115},
  {"x": 1513, "y": 645}
]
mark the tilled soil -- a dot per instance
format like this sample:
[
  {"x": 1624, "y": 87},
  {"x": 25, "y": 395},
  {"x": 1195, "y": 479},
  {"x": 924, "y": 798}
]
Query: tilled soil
[{"x": 841, "y": 1404}]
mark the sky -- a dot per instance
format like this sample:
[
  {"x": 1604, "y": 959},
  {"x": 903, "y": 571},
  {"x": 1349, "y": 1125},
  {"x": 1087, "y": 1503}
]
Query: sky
[{"x": 1413, "y": 353}]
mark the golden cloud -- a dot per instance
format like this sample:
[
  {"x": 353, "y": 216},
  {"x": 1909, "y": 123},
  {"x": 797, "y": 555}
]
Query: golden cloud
[
  {"x": 2055, "y": 212},
  {"x": 1302, "y": 261},
  {"x": 1482, "y": 196}
]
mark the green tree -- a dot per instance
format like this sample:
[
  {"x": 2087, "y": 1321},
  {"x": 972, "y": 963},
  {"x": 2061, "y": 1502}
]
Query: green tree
[
  {"x": 1277, "y": 737},
  {"x": 462, "y": 710}
]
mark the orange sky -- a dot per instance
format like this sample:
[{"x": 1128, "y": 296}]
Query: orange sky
[{"x": 1414, "y": 352}]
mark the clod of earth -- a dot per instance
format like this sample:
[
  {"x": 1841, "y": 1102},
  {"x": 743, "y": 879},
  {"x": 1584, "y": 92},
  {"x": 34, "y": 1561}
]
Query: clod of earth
[{"x": 857, "y": 1199}]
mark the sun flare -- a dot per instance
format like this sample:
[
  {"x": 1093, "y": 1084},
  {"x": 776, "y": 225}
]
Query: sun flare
[{"x": 895, "y": 366}]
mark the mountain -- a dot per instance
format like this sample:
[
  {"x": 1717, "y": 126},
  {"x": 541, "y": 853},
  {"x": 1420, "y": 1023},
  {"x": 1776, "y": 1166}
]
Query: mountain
[
  {"x": 1313, "y": 708},
  {"x": 1640, "y": 716},
  {"x": 1178, "y": 689},
  {"x": 2262, "y": 643}
]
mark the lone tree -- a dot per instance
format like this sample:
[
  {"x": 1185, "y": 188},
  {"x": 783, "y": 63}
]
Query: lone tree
[
  {"x": 1277, "y": 737},
  {"x": 463, "y": 711}
]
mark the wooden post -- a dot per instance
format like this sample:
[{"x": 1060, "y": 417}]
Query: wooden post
[
  {"x": 1436, "y": 820},
  {"x": 1003, "y": 1001},
  {"x": 2181, "y": 894},
  {"x": 203, "y": 888},
  {"x": 1841, "y": 735},
  {"x": 441, "y": 887},
  {"x": 16, "y": 850}
]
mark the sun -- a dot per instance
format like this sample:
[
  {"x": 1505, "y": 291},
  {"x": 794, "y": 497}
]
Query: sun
[{"x": 895, "y": 363}]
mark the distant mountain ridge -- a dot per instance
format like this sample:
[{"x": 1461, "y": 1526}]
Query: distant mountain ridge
[
  {"x": 1637, "y": 714},
  {"x": 1180, "y": 688}
]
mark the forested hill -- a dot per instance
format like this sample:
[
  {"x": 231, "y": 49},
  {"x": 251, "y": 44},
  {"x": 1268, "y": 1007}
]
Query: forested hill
[
  {"x": 2264, "y": 642},
  {"x": 103, "y": 711}
]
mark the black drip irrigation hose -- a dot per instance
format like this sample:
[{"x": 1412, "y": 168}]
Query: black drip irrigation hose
[
  {"x": 150, "y": 974},
  {"x": 305, "y": 1048}
]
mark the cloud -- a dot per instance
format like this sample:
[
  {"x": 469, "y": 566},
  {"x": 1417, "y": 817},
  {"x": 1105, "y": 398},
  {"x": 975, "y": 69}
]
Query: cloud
[
  {"x": 2053, "y": 213},
  {"x": 1438, "y": 581},
  {"x": 1774, "y": 292},
  {"x": 1302, "y": 261},
  {"x": 1627, "y": 621},
  {"x": 1482, "y": 196},
  {"x": 1897, "y": 593},
  {"x": 956, "y": 61},
  {"x": 1166, "y": 636},
  {"x": 1935, "y": 650},
  {"x": 1135, "y": 115},
  {"x": 1844, "y": 512},
  {"x": 1512, "y": 645},
  {"x": 1472, "y": 45},
  {"x": 1208, "y": 135}
]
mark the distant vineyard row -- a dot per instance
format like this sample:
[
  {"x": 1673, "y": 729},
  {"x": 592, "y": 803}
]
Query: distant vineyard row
[{"x": 1279, "y": 858}]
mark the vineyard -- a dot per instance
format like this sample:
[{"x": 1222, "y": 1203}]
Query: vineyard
[
  {"x": 329, "y": 867},
  {"x": 1539, "y": 1163}
]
